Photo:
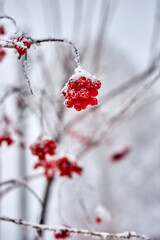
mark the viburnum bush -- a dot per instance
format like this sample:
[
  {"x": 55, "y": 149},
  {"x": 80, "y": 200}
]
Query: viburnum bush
[{"x": 64, "y": 138}]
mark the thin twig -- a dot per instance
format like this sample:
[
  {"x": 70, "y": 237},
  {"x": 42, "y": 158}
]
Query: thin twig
[
  {"x": 62, "y": 40},
  {"x": 24, "y": 184},
  {"x": 15, "y": 185}
]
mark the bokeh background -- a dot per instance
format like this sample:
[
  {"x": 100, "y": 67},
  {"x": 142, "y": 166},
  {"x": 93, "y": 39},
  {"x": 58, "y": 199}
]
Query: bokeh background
[{"x": 117, "y": 40}]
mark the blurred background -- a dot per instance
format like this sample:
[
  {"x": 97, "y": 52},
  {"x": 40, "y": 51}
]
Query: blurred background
[{"x": 117, "y": 40}]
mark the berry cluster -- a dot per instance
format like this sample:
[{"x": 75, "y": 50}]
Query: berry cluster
[
  {"x": 62, "y": 234},
  {"x": 49, "y": 168},
  {"x": 41, "y": 149},
  {"x": 61, "y": 165},
  {"x": 2, "y": 30},
  {"x": 6, "y": 137},
  {"x": 21, "y": 44},
  {"x": 67, "y": 168},
  {"x": 81, "y": 90}
]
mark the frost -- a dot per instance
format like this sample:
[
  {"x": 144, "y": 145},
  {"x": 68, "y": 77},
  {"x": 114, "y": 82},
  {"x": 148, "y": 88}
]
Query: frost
[
  {"x": 125, "y": 234},
  {"x": 79, "y": 71}
]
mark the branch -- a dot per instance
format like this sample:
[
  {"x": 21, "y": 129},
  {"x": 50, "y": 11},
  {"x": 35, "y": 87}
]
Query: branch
[
  {"x": 11, "y": 19},
  {"x": 15, "y": 185},
  {"x": 102, "y": 235},
  {"x": 62, "y": 40},
  {"x": 9, "y": 44},
  {"x": 24, "y": 184}
]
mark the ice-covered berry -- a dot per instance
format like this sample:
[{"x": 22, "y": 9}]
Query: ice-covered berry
[
  {"x": 62, "y": 234},
  {"x": 42, "y": 148},
  {"x": 2, "y": 30},
  {"x": 67, "y": 167},
  {"x": 6, "y": 137},
  {"x": 2, "y": 54},
  {"x": 81, "y": 90},
  {"x": 98, "y": 219},
  {"x": 21, "y": 44}
]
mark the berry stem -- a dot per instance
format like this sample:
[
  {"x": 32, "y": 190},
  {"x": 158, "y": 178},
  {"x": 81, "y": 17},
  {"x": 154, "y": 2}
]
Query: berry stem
[
  {"x": 11, "y": 19},
  {"x": 63, "y": 40}
]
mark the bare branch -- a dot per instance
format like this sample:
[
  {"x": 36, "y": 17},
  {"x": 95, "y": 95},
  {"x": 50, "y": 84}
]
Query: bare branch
[
  {"x": 24, "y": 184},
  {"x": 102, "y": 235},
  {"x": 15, "y": 185}
]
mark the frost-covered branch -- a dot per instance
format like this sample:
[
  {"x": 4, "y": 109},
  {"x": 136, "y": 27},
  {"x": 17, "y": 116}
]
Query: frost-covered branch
[
  {"x": 24, "y": 184},
  {"x": 102, "y": 235},
  {"x": 62, "y": 40},
  {"x": 10, "y": 44},
  {"x": 16, "y": 184}
]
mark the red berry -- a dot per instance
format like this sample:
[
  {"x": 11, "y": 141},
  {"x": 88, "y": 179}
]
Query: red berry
[
  {"x": 2, "y": 30},
  {"x": 84, "y": 93},
  {"x": 93, "y": 92},
  {"x": 121, "y": 154},
  {"x": 97, "y": 84},
  {"x": 2, "y": 54},
  {"x": 93, "y": 101},
  {"x": 98, "y": 220},
  {"x": 20, "y": 43},
  {"x": 62, "y": 234},
  {"x": 69, "y": 103},
  {"x": 6, "y": 137},
  {"x": 77, "y": 102},
  {"x": 88, "y": 83}
]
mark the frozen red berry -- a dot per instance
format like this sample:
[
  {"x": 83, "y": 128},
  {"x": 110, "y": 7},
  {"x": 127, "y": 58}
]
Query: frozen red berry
[
  {"x": 67, "y": 167},
  {"x": 6, "y": 137},
  {"x": 81, "y": 90},
  {"x": 98, "y": 220},
  {"x": 2, "y": 30},
  {"x": 21, "y": 44},
  {"x": 62, "y": 234},
  {"x": 42, "y": 148},
  {"x": 121, "y": 154},
  {"x": 2, "y": 54}
]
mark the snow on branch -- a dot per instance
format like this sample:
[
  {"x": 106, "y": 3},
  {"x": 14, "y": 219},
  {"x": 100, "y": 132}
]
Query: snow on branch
[{"x": 102, "y": 235}]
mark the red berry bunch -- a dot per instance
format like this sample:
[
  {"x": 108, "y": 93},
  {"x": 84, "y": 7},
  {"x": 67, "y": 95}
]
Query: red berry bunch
[
  {"x": 2, "y": 30},
  {"x": 6, "y": 137},
  {"x": 67, "y": 167},
  {"x": 81, "y": 90},
  {"x": 62, "y": 234},
  {"x": 49, "y": 168},
  {"x": 62, "y": 166},
  {"x": 21, "y": 43},
  {"x": 2, "y": 54},
  {"x": 42, "y": 148}
]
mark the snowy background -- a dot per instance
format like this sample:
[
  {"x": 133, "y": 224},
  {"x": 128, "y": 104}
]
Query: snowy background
[{"x": 115, "y": 46}]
